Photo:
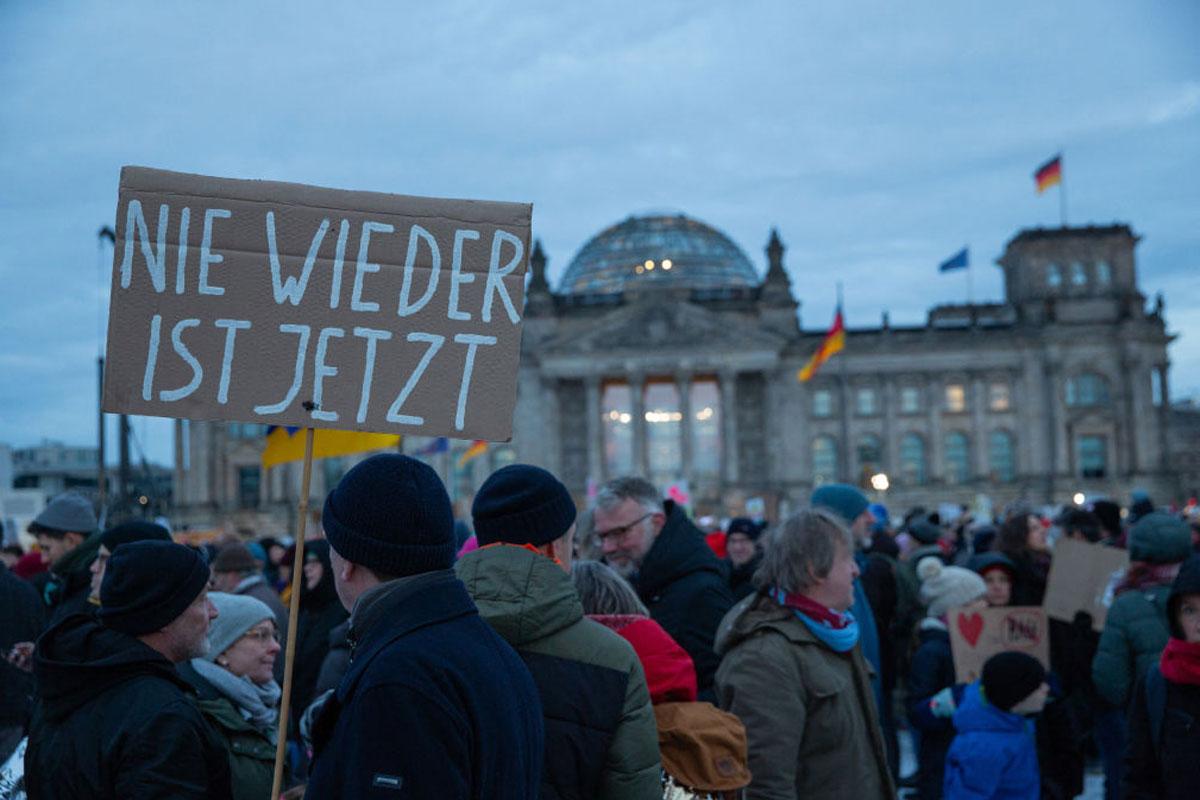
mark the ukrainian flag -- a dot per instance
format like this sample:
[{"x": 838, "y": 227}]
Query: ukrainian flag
[{"x": 285, "y": 445}]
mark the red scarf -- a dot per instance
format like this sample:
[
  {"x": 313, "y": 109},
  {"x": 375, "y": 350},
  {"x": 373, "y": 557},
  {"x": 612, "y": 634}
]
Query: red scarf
[
  {"x": 811, "y": 608},
  {"x": 1143, "y": 575},
  {"x": 1180, "y": 662}
]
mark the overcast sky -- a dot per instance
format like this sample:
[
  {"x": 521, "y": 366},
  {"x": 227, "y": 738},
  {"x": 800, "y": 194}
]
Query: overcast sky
[{"x": 879, "y": 138}]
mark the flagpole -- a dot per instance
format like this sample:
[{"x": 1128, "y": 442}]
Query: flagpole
[
  {"x": 970, "y": 281},
  {"x": 844, "y": 460},
  {"x": 293, "y": 615},
  {"x": 1062, "y": 189}
]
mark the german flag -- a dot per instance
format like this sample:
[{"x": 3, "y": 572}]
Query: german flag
[
  {"x": 477, "y": 448},
  {"x": 1049, "y": 174},
  {"x": 833, "y": 342}
]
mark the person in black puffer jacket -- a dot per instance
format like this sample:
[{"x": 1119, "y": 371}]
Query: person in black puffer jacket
[
  {"x": 1163, "y": 757},
  {"x": 320, "y": 612}
]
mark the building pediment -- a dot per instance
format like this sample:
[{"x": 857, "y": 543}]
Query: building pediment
[{"x": 658, "y": 324}]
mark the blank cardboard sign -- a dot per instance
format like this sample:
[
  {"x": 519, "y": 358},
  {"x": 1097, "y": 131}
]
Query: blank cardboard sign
[
  {"x": 294, "y": 305},
  {"x": 1081, "y": 577},
  {"x": 977, "y": 635}
]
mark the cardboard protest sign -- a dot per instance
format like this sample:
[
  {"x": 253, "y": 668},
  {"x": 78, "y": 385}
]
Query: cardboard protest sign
[
  {"x": 300, "y": 306},
  {"x": 1081, "y": 579},
  {"x": 977, "y": 635}
]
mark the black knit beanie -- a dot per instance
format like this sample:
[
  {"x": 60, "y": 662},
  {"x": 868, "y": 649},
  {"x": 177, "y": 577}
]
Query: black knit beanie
[
  {"x": 391, "y": 514},
  {"x": 149, "y": 584},
  {"x": 135, "y": 530},
  {"x": 1008, "y": 678},
  {"x": 520, "y": 504},
  {"x": 745, "y": 526}
]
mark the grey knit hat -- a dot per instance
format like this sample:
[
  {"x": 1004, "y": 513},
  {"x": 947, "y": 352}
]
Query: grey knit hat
[
  {"x": 236, "y": 614},
  {"x": 69, "y": 512},
  {"x": 944, "y": 588}
]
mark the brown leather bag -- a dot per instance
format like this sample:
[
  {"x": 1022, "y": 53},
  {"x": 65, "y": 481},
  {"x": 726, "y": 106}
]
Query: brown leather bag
[{"x": 702, "y": 747}]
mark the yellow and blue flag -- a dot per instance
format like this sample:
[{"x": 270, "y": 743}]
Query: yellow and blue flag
[{"x": 285, "y": 445}]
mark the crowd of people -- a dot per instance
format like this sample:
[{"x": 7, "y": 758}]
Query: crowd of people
[{"x": 623, "y": 652}]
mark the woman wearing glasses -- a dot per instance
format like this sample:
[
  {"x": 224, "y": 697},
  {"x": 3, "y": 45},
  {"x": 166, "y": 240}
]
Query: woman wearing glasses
[{"x": 237, "y": 689}]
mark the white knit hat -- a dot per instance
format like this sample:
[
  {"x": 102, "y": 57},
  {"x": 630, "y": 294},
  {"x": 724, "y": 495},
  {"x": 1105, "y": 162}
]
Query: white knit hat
[{"x": 944, "y": 588}]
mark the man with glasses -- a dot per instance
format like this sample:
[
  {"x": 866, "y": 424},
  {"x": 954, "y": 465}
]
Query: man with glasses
[{"x": 654, "y": 546}]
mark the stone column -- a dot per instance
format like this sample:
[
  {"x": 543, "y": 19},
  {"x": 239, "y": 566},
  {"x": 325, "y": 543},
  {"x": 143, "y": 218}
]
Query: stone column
[
  {"x": 729, "y": 449},
  {"x": 637, "y": 408},
  {"x": 683, "y": 384},
  {"x": 935, "y": 396},
  {"x": 891, "y": 444},
  {"x": 979, "y": 465},
  {"x": 595, "y": 430},
  {"x": 1052, "y": 398},
  {"x": 1164, "y": 416}
]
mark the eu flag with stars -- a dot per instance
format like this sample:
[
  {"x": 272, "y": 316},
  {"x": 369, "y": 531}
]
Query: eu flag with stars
[{"x": 956, "y": 261}]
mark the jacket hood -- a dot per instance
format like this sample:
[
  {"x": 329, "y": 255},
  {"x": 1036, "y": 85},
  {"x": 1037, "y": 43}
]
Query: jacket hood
[
  {"x": 1160, "y": 538},
  {"x": 1186, "y": 582},
  {"x": 679, "y": 550},
  {"x": 975, "y": 714},
  {"x": 79, "y": 658},
  {"x": 670, "y": 673},
  {"x": 523, "y": 595},
  {"x": 757, "y": 613}
]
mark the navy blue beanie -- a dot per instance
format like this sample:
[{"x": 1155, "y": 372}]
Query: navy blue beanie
[
  {"x": 520, "y": 504},
  {"x": 135, "y": 530},
  {"x": 148, "y": 584},
  {"x": 843, "y": 499},
  {"x": 391, "y": 514}
]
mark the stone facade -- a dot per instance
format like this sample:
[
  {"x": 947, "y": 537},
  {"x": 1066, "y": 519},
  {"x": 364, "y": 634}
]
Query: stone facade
[{"x": 1055, "y": 391}]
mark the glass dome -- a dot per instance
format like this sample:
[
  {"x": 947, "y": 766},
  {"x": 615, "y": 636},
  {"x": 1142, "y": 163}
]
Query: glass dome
[{"x": 658, "y": 251}]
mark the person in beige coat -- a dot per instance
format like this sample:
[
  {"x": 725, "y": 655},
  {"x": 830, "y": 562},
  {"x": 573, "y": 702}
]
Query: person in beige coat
[{"x": 792, "y": 670}]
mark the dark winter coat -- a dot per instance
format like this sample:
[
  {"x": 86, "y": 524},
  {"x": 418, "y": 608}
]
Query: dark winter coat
[
  {"x": 436, "y": 704},
  {"x": 251, "y": 754},
  {"x": 320, "y": 612},
  {"x": 1029, "y": 583},
  {"x": 993, "y": 756},
  {"x": 601, "y": 735},
  {"x": 932, "y": 671},
  {"x": 69, "y": 584},
  {"x": 115, "y": 720},
  {"x": 741, "y": 578},
  {"x": 1135, "y": 633},
  {"x": 336, "y": 662},
  {"x": 22, "y": 616},
  {"x": 811, "y": 723},
  {"x": 682, "y": 584}
]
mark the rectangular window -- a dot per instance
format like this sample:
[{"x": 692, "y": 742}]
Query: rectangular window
[
  {"x": 249, "y": 479},
  {"x": 664, "y": 423},
  {"x": 1093, "y": 456},
  {"x": 910, "y": 400},
  {"x": 866, "y": 402},
  {"x": 822, "y": 403},
  {"x": 616, "y": 415},
  {"x": 956, "y": 398},
  {"x": 706, "y": 427},
  {"x": 999, "y": 398}
]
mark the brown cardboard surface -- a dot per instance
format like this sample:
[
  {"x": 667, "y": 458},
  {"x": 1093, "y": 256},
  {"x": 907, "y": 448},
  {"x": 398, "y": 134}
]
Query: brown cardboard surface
[
  {"x": 1080, "y": 575},
  {"x": 396, "y": 339},
  {"x": 977, "y": 635}
]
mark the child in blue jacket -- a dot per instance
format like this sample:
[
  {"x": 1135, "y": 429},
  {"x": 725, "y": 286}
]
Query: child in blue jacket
[{"x": 994, "y": 754}]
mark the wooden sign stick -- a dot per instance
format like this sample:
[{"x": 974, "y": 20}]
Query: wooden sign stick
[{"x": 293, "y": 616}]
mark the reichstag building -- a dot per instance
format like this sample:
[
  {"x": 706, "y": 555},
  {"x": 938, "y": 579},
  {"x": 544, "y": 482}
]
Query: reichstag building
[{"x": 664, "y": 351}]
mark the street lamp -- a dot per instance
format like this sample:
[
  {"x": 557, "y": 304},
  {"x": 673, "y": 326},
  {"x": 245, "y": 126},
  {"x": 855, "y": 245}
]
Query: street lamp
[{"x": 879, "y": 482}]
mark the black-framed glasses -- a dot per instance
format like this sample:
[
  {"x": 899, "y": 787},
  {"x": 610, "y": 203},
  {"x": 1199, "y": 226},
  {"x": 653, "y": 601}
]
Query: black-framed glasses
[{"x": 622, "y": 531}]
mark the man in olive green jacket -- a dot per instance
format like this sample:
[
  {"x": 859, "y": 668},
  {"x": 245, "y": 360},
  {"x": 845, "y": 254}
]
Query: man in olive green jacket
[{"x": 601, "y": 735}]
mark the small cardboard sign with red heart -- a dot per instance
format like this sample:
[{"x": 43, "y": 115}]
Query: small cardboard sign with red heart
[{"x": 978, "y": 634}]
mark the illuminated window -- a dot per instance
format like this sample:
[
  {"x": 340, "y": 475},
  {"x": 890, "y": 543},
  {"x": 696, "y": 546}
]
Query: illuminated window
[
  {"x": 616, "y": 404},
  {"x": 1078, "y": 274},
  {"x": 1087, "y": 390},
  {"x": 706, "y": 428},
  {"x": 663, "y": 424},
  {"x": 999, "y": 398},
  {"x": 912, "y": 459},
  {"x": 956, "y": 457},
  {"x": 1092, "y": 455},
  {"x": 956, "y": 398},
  {"x": 866, "y": 402},
  {"x": 1002, "y": 459},
  {"x": 910, "y": 399},
  {"x": 824, "y": 459},
  {"x": 822, "y": 403},
  {"x": 870, "y": 454},
  {"x": 1053, "y": 276}
]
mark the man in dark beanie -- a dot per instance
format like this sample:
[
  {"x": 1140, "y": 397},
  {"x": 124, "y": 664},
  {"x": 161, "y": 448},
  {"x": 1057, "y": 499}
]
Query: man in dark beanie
[
  {"x": 742, "y": 555},
  {"x": 435, "y": 703},
  {"x": 114, "y": 719},
  {"x": 135, "y": 530},
  {"x": 601, "y": 735},
  {"x": 65, "y": 534}
]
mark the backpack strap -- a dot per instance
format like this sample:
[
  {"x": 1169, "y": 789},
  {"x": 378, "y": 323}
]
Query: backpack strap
[{"x": 1156, "y": 704}]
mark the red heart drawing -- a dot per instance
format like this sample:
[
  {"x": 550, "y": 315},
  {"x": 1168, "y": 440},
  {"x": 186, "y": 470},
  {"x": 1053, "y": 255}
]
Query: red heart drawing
[{"x": 970, "y": 627}]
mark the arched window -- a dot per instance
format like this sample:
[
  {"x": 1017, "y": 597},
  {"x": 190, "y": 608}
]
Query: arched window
[
  {"x": 912, "y": 459},
  {"x": 870, "y": 453},
  {"x": 956, "y": 457},
  {"x": 1087, "y": 390},
  {"x": 824, "y": 459},
  {"x": 1002, "y": 456}
]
